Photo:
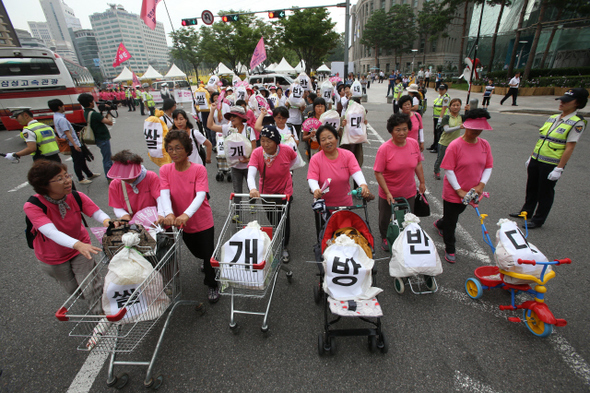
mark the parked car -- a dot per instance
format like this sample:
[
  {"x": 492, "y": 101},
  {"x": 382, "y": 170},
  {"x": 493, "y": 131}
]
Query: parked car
[
  {"x": 271, "y": 79},
  {"x": 178, "y": 84}
]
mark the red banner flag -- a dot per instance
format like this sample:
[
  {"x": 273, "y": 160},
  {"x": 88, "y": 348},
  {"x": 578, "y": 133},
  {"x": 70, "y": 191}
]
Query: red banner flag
[
  {"x": 259, "y": 54},
  {"x": 122, "y": 55},
  {"x": 148, "y": 12},
  {"x": 136, "y": 80}
]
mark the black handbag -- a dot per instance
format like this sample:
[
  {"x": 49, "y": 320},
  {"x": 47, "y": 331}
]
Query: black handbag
[{"x": 421, "y": 206}]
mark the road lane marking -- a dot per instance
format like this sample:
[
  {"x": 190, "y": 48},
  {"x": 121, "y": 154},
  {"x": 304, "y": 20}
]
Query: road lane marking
[
  {"x": 19, "y": 187},
  {"x": 464, "y": 383},
  {"x": 88, "y": 373}
]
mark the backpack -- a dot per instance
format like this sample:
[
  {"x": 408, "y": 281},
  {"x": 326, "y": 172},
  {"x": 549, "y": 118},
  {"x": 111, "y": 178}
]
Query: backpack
[{"x": 30, "y": 233}]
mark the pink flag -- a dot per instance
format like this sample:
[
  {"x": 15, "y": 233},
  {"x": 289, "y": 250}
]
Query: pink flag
[
  {"x": 148, "y": 12},
  {"x": 136, "y": 80},
  {"x": 259, "y": 54},
  {"x": 122, "y": 55}
]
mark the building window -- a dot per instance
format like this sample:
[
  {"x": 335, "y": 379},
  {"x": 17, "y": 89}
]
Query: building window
[
  {"x": 415, "y": 3},
  {"x": 387, "y": 68},
  {"x": 382, "y": 4}
]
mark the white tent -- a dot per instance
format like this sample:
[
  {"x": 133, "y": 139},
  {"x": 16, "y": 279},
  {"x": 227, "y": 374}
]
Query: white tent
[
  {"x": 271, "y": 67},
  {"x": 284, "y": 68},
  {"x": 242, "y": 69},
  {"x": 299, "y": 68},
  {"x": 175, "y": 72},
  {"x": 222, "y": 70},
  {"x": 151, "y": 73},
  {"x": 125, "y": 75},
  {"x": 324, "y": 68}
]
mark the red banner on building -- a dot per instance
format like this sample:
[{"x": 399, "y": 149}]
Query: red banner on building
[
  {"x": 259, "y": 54},
  {"x": 148, "y": 12},
  {"x": 122, "y": 55}
]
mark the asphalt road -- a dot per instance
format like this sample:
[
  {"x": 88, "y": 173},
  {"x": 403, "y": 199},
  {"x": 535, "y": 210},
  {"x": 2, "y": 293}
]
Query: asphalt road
[{"x": 441, "y": 342}]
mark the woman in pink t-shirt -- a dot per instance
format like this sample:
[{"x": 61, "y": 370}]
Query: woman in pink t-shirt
[
  {"x": 133, "y": 187},
  {"x": 338, "y": 165},
  {"x": 396, "y": 163},
  {"x": 273, "y": 161},
  {"x": 416, "y": 128},
  {"x": 183, "y": 193},
  {"x": 61, "y": 243},
  {"x": 468, "y": 165}
]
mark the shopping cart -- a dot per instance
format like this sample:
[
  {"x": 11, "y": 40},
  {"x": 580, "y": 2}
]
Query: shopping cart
[
  {"x": 252, "y": 280},
  {"x": 123, "y": 332}
]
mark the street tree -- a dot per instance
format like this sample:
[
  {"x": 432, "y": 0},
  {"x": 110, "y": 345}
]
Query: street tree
[
  {"x": 525, "y": 4},
  {"x": 402, "y": 22},
  {"x": 454, "y": 5},
  {"x": 531, "y": 58},
  {"x": 433, "y": 20},
  {"x": 337, "y": 54},
  {"x": 377, "y": 33},
  {"x": 502, "y": 4},
  {"x": 310, "y": 34},
  {"x": 185, "y": 44}
]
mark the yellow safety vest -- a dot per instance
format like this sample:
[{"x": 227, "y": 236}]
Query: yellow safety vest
[
  {"x": 127, "y": 93},
  {"x": 551, "y": 145},
  {"x": 438, "y": 105},
  {"x": 149, "y": 100},
  {"x": 46, "y": 143},
  {"x": 398, "y": 89}
]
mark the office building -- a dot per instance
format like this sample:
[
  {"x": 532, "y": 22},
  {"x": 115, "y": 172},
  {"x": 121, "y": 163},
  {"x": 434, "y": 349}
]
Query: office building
[
  {"x": 146, "y": 46},
  {"x": 40, "y": 30},
  {"x": 59, "y": 18},
  {"x": 87, "y": 49},
  {"x": 28, "y": 41},
  {"x": 8, "y": 36}
]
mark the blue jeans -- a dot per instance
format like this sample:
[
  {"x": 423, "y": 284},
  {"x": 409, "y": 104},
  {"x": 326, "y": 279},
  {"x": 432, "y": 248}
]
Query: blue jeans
[{"x": 105, "y": 150}]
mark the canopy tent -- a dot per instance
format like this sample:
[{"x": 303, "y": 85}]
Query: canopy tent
[
  {"x": 125, "y": 75},
  {"x": 284, "y": 68},
  {"x": 151, "y": 73},
  {"x": 175, "y": 72},
  {"x": 271, "y": 67},
  {"x": 242, "y": 69},
  {"x": 324, "y": 68},
  {"x": 299, "y": 68},
  {"x": 222, "y": 70}
]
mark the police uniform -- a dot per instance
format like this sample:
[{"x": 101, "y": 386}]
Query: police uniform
[
  {"x": 438, "y": 103},
  {"x": 44, "y": 137},
  {"x": 397, "y": 94},
  {"x": 553, "y": 137}
]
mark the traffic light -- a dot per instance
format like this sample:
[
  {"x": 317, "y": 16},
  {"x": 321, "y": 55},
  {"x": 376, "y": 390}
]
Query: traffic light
[
  {"x": 189, "y": 22},
  {"x": 230, "y": 18},
  {"x": 276, "y": 14}
]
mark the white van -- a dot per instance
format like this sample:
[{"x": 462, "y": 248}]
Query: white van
[
  {"x": 271, "y": 79},
  {"x": 178, "y": 84}
]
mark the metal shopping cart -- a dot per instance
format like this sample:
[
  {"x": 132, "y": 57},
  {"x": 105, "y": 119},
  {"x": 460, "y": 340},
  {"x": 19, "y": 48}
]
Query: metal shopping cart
[
  {"x": 123, "y": 332},
  {"x": 252, "y": 280}
]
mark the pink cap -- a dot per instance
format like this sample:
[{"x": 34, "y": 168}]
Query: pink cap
[
  {"x": 477, "y": 124},
  {"x": 124, "y": 171}
]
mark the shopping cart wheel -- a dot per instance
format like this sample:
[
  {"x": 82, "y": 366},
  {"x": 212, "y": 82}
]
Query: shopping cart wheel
[
  {"x": 235, "y": 328},
  {"x": 154, "y": 383},
  {"x": 398, "y": 284},
  {"x": 289, "y": 276},
  {"x": 264, "y": 329},
  {"x": 317, "y": 294},
  {"x": 119, "y": 382},
  {"x": 382, "y": 344},
  {"x": 372, "y": 343}
]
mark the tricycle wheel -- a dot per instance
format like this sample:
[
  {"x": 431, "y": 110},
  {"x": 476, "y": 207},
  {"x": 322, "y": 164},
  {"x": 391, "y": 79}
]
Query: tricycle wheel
[
  {"x": 119, "y": 382},
  {"x": 398, "y": 284},
  {"x": 317, "y": 294},
  {"x": 535, "y": 325},
  {"x": 473, "y": 288},
  {"x": 372, "y": 343}
]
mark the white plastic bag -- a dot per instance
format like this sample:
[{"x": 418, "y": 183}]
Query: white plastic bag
[
  {"x": 246, "y": 247},
  {"x": 296, "y": 96},
  {"x": 355, "y": 130},
  {"x": 236, "y": 146},
  {"x": 332, "y": 118},
  {"x": 348, "y": 271},
  {"x": 356, "y": 89},
  {"x": 241, "y": 94},
  {"x": 290, "y": 141},
  {"x": 220, "y": 143},
  {"x": 304, "y": 81},
  {"x": 414, "y": 252},
  {"x": 511, "y": 246},
  {"x": 326, "y": 91},
  {"x": 212, "y": 84},
  {"x": 128, "y": 270}
]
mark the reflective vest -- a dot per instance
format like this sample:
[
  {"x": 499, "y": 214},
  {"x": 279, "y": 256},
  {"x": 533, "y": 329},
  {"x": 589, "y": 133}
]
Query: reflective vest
[
  {"x": 551, "y": 145},
  {"x": 398, "y": 89},
  {"x": 149, "y": 100},
  {"x": 46, "y": 143},
  {"x": 127, "y": 93},
  {"x": 438, "y": 105}
]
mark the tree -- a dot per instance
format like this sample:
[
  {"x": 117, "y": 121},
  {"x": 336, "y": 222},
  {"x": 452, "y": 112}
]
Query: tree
[
  {"x": 432, "y": 20},
  {"x": 309, "y": 33},
  {"x": 525, "y": 4},
  {"x": 529, "y": 62},
  {"x": 403, "y": 29},
  {"x": 453, "y": 5},
  {"x": 502, "y": 3},
  {"x": 184, "y": 43},
  {"x": 337, "y": 54},
  {"x": 377, "y": 32}
]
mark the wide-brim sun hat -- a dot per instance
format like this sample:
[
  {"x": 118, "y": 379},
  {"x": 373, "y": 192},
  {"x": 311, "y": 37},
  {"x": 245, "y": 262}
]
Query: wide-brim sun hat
[
  {"x": 413, "y": 88},
  {"x": 124, "y": 171},
  {"x": 480, "y": 123},
  {"x": 236, "y": 111}
]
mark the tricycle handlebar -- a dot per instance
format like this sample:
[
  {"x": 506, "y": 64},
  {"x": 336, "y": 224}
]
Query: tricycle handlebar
[{"x": 565, "y": 261}]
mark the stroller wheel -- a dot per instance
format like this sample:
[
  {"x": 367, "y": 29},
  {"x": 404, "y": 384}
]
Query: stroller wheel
[
  {"x": 372, "y": 343},
  {"x": 321, "y": 349},
  {"x": 219, "y": 177},
  {"x": 229, "y": 178},
  {"x": 382, "y": 344},
  {"x": 332, "y": 345},
  {"x": 317, "y": 294},
  {"x": 398, "y": 284}
]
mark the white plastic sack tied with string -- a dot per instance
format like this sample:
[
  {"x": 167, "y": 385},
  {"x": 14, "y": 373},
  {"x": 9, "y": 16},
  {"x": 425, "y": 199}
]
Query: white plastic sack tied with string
[
  {"x": 326, "y": 90},
  {"x": 212, "y": 84},
  {"x": 296, "y": 96},
  {"x": 288, "y": 140},
  {"x": 348, "y": 271},
  {"x": 236, "y": 146},
  {"x": 220, "y": 143},
  {"x": 241, "y": 93},
  {"x": 355, "y": 130},
  {"x": 128, "y": 270},
  {"x": 414, "y": 252},
  {"x": 511, "y": 246},
  {"x": 332, "y": 118},
  {"x": 246, "y": 247},
  {"x": 304, "y": 81},
  {"x": 356, "y": 89}
]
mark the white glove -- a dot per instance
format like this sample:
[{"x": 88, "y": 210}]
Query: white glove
[
  {"x": 526, "y": 164},
  {"x": 11, "y": 157},
  {"x": 555, "y": 174}
]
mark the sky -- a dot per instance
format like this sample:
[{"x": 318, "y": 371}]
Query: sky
[{"x": 22, "y": 11}]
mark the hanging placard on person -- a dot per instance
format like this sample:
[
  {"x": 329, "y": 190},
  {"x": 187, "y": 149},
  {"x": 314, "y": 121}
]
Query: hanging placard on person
[
  {"x": 201, "y": 99},
  {"x": 153, "y": 132}
]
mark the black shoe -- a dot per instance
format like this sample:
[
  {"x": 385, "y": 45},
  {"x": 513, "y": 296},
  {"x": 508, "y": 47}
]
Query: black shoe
[
  {"x": 532, "y": 225},
  {"x": 501, "y": 102},
  {"x": 514, "y": 105},
  {"x": 515, "y": 215}
]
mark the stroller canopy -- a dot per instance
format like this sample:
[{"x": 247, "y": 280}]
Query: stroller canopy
[{"x": 343, "y": 219}]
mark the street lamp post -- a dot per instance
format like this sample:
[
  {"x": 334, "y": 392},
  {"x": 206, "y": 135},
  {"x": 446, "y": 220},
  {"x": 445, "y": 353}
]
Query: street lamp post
[
  {"x": 414, "y": 59},
  {"x": 520, "y": 54}
]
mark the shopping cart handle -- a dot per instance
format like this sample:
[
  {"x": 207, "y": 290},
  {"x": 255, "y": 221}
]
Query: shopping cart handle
[
  {"x": 61, "y": 314},
  {"x": 214, "y": 263},
  {"x": 259, "y": 266},
  {"x": 118, "y": 316}
]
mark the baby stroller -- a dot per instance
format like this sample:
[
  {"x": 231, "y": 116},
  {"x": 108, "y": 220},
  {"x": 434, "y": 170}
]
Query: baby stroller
[{"x": 343, "y": 220}]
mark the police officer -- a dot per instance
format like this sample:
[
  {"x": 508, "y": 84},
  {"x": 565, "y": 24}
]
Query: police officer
[
  {"x": 557, "y": 140},
  {"x": 397, "y": 93},
  {"x": 149, "y": 99},
  {"x": 40, "y": 138},
  {"x": 130, "y": 101},
  {"x": 439, "y": 110}
]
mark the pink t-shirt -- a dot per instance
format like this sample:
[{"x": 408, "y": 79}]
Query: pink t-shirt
[
  {"x": 416, "y": 127},
  {"x": 339, "y": 170},
  {"x": 468, "y": 161},
  {"x": 398, "y": 166},
  {"x": 183, "y": 188},
  {"x": 149, "y": 191},
  {"x": 48, "y": 251},
  {"x": 277, "y": 179}
]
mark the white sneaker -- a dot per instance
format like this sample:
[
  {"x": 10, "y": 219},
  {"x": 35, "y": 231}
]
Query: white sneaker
[
  {"x": 94, "y": 175},
  {"x": 85, "y": 181}
]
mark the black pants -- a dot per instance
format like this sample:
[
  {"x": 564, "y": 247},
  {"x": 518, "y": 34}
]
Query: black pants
[
  {"x": 201, "y": 245},
  {"x": 485, "y": 101},
  {"x": 448, "y": 223},
  {"x": 152, "y": 110},
  {"x": 395, "y": 107},
  {"x": 131, "y": 104},
  {"x": 513, "y": 91},
  {"x": 80, "y": 167},
  {"x": 540, "y": 191},
  {"x": 141, "y": 108},
  {"x": 435, "y": 133},
  {"x": 275, "y": 217},
  {"x": 53, "y": 157},
  {"x": 385, "y": 214}
]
